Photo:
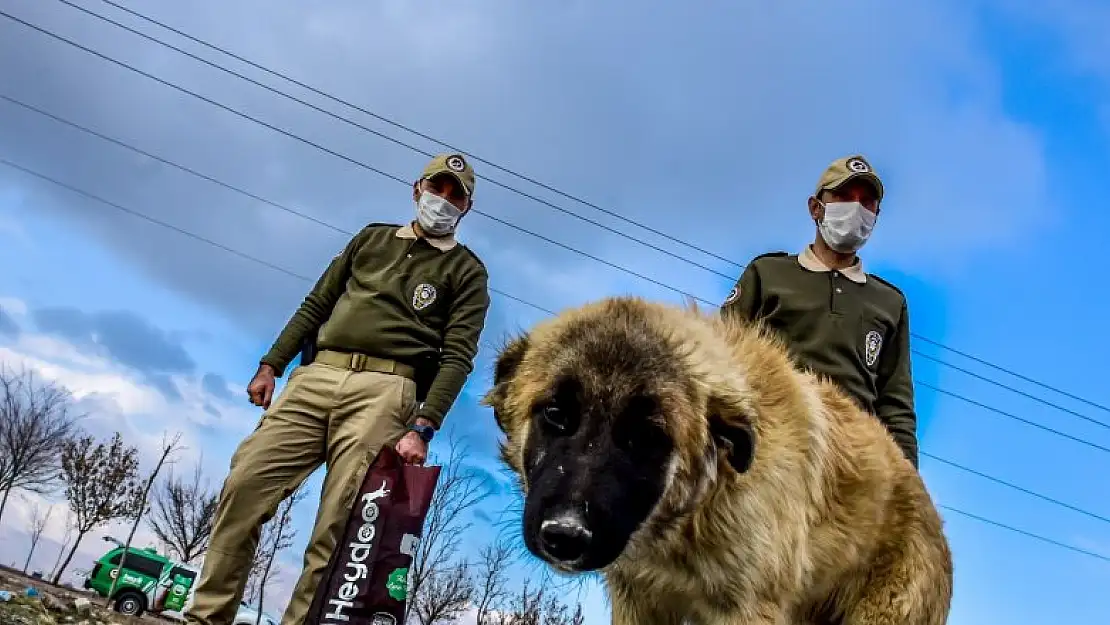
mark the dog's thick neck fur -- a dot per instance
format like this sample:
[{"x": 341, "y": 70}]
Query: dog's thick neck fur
[
  {"x": 724, "y": 537},
  {"x": 744, "y": 369}
]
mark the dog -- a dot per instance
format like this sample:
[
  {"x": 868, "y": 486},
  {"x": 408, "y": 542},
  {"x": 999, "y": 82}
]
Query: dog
[{"x": 708, "y": 478}]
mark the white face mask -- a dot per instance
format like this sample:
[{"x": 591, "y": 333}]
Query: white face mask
[
  {"x": 436, "y": 215},
  {"x": 846, "y": 226}
]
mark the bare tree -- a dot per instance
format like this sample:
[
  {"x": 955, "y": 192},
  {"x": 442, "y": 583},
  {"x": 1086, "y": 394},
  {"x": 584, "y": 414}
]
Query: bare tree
[
  {"x": 457, "y": 492},
  {"x": 68, "y": 523},
  {"x": 535, "y": 607},
  {"x": 168, "y": 447},
  {"x": 39, "y": 518},
  {"x": 182, "y": 515},
  {"x": 35, "y": 421},
  {"x": 102, "y": 485},
  {"x": 277, "y": 535},
  {"x": 445, "y": 596},
  {"x": 492, "y": 581}
]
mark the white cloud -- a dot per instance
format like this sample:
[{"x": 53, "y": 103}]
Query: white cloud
[
  {"x": 114, "y": 398},
  {"x": 106, "y": 383},
  {"x": 15, "y": 537},
  {"x": 13, "y": 306}
]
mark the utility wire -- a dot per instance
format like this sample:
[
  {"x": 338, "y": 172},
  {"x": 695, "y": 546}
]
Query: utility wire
[
  {"x": 351, "y": 160},
  {"x": 1025, "y": 378},
  {"x": 1013, "y": 416},
  {"x": 1026, "y": 533},
  {"x": 246, "y": 256},
  {"x": 1012, "y": 486},
  {"x": 502, "y": 293},
  {"x": 422, "y": 135},
  {"x": 391, "y": 139},
  {"x": 340, "y": 230},
  {"x": 402, "y": 181},
  {"x": 984, "y": 378},
  {"x": 569, "y": 196},
  {"x": 193, "y": 235}
]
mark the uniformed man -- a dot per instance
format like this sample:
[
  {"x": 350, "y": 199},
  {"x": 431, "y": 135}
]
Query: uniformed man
[
  {"x": 396, "y": 318},
  {"x": 839, "y": 321}
]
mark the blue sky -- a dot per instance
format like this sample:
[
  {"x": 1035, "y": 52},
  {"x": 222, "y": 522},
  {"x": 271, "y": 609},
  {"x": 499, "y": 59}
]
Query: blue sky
[{"x": 705, "y": 120}]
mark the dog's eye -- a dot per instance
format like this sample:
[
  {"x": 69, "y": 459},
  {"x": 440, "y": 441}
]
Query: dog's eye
[
  {"x": 636, "y": 432},
  {"x": 554, "y": 417}
]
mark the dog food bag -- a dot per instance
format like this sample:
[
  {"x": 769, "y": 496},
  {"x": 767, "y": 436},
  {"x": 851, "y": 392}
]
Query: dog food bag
[{"x": 367, "y": 579}]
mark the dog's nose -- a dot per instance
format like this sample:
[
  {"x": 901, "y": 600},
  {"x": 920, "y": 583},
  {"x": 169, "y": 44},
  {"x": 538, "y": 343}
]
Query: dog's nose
[{"x": 565, "y": 538}]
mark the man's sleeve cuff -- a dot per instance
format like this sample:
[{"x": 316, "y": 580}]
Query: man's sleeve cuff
[
  {"x": 278, "y": 369},
  {"x": 436, "y": 421}
]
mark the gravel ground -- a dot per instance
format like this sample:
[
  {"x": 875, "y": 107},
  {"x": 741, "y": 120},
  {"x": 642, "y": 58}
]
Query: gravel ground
[{"x": 56, "y": 605}]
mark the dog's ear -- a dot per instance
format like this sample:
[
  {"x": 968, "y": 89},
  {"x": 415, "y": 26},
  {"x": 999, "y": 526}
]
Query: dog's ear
[
  {"x": 732, "y": 433},
  {"x": 508, "y": 360}
]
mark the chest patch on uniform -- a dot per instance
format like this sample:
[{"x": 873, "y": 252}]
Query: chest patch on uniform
[
  {"x": 423, "y": 296},
  {"x": 733, "y": 294},
  {"x": 872, "y": 343}
]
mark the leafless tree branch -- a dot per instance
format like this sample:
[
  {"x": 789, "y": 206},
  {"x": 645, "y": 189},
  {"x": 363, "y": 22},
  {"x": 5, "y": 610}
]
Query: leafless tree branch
[
  {"x": 169, "y": 446},
  {"x": 102, "y": 485},
  {"x": 277, "y": 536},
  {"x": 39, "y": 518},
  {"x": 492, "y": 580},
  {"x": 457, "y": 492},
  {"x": 36, "y": 419},
  {"x": 68, "y": 523},
  {"x": 182, "y": 515},
  {"x": 536, "y": 607},
  {"x": 445, "y": 596}
]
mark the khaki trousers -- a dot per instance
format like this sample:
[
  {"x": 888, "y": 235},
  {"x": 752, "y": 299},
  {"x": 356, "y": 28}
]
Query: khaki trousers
[{"x": 324, "y": 414}]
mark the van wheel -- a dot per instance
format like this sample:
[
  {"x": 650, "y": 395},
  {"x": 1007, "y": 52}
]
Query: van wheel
[{"x": 130, "y": 603}]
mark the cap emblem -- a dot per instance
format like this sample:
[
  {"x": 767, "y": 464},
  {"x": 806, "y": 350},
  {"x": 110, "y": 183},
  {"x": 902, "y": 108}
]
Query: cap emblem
[
  {"x": 858, "y": 165},
  {"x": 456, "y": 163}
]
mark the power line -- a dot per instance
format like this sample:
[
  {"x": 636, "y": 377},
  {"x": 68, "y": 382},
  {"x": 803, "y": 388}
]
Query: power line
[
  {"x": 340, "y": 230},
  {"x": 351, "y": 160},
  {"x": 569, "y": 196},
  {"x": 1014, "y": 390},
  {"x": 1011, "y": 485},
  {"x": 1026, "y": 533},
  {"x": 391, "y": 139},
  {"x": 294, "y": 274},
  {"x": 396, "y": 124},
  {"x": 400, "y": 180},
  {"x": 502, "y": 293},
  {"x": 1017, "y": 375},
  {"x": 1011, "y": 415}
]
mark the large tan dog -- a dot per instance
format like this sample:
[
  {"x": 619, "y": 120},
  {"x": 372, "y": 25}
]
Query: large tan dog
[{"x": 710, "y": 480}]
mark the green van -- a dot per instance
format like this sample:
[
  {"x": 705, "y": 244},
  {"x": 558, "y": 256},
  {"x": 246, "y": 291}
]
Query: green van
[{"x": 149, "y": 582}]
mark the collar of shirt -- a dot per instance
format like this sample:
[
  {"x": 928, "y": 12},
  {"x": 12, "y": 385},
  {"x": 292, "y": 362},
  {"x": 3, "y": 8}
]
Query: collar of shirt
[
  {"x": 442, "y": 244},
  {"x": 810, "y": 261}
]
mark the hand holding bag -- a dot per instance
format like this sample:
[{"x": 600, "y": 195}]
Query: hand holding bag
[{"x": 366, "y": 581}]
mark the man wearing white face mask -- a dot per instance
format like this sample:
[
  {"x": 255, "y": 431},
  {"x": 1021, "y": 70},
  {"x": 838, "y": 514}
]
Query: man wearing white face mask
[
  {"x": 394, "y": 322},
  {"x": 839, "y": 321}
]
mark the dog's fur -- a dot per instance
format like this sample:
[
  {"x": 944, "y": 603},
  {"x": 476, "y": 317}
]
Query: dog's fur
[{"x": 708, "y": 478}]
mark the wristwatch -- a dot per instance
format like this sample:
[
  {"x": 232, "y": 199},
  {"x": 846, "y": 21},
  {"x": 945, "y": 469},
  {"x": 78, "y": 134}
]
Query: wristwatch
[{"x": 426, "y": 432}]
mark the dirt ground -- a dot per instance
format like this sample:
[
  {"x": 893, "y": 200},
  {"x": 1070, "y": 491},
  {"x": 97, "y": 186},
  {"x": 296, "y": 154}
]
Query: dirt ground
[{"x": 57, "y": 605}]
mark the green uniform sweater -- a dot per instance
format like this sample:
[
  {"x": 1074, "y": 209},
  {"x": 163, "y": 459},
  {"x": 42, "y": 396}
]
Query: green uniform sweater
[
  {"x": 397, "y": 297},
  {"x": 855, "y": 333}
]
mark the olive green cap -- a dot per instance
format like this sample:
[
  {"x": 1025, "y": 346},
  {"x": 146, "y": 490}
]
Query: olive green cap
[
  {"x": 455, "y": 165},
  {"x": 849, "y": 168}
]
